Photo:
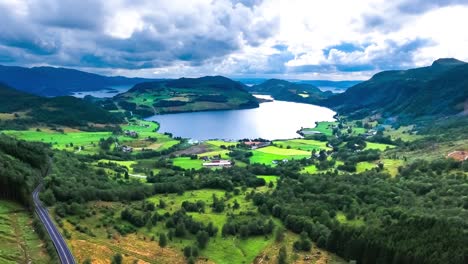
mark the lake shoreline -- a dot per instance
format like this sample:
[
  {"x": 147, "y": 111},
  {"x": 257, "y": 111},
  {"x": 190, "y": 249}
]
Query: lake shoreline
[{"x": 271, "y": 120}]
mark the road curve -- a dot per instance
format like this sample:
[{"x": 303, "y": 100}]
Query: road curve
[{"x": 63, "y": 251}]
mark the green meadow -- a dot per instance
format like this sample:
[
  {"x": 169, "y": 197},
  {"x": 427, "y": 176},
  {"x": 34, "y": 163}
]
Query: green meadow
[
  {"x": 19, "y": 243},
  {"x": 323, "y": 127},
  {"x": 88, "y": 142},
  {"x": 187, "y": 163},
  {"x": 364, "y": 166},
  {"x": 378, "y": 146},
  {"x": 302, "y": 144},
  {"x": 268, "y": 154},
  {"x": 220, "y": 250}
]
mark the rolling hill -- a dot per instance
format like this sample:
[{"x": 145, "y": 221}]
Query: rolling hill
[
  {"x": 186, "y": 95},
  {"x": 435, "y": 91},
  {"x": 51, "y": 81},
  {"x": 21, "y": 110},
  {"x": 288, "y": 91}
]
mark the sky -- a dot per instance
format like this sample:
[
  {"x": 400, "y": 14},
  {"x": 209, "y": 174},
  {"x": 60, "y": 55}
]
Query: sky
[{"x": 290, "y": 39}]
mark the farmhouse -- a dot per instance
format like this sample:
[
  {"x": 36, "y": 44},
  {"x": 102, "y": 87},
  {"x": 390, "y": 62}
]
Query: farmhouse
[
  {"x": 460, "y": 155},
  {"x": 127, "y": 149},
  {"x": 218, "y": 163},
  {"x": 309, "y": 132},
  {"x": 131, "y": 133}
]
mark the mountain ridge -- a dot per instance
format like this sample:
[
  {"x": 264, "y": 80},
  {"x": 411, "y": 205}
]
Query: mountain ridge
[
  {"x": 289, "y": 91},
  {"x": 433, "y": 91},
  {"x": 57, "y": 81}
]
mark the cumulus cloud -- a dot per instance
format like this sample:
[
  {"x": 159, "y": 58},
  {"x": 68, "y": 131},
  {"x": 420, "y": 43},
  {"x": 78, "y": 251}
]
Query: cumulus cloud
[{"x": 169, "y": 38}]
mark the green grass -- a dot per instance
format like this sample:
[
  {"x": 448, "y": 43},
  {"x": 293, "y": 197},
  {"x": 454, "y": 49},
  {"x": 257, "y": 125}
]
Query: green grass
[
  {"x": 129, "y": 164},
  {"x": 323, "y": 127},
  {"x": 404, "y": 133},
  {"x": 17, "y": 236},
  {"x": 221, "y": 152},
  {"x": 342, "y": 219},
  {"x": 89, "y": 141},
  {"x": 303, "y": 144},
  {"x": 187, "y": 163},
  {"x": 140, "y": 126},
  {"x": 219, "y": 249},
  {"x": 283, "y": 151},
  {"x": 268, "y": 154},
  {"x": 378, "y": 146},
  {"x": 310, "y": 169},
  {"x": 219, "y": 143},
  {"x": 269, "y": 178},
  {"x": 364, "y": 165},
  {"x": 391, "y": 165}
]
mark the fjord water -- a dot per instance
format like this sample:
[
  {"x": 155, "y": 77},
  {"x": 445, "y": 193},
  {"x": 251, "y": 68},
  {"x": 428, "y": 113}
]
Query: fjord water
[{"x": 272, "y": 120}]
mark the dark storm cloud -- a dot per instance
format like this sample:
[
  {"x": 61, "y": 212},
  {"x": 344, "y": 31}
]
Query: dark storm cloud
[
  {"x": 83, "y": 14},
  {"x": 79, "y": 33}
]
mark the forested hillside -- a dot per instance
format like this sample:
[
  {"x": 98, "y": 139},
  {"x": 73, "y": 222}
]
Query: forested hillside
[
  {"x": 288, "y": 91},
  {"x": 429, "y": 92},
  {"x": 26, "y": 110},
  {"x": 22, "y": 164}
]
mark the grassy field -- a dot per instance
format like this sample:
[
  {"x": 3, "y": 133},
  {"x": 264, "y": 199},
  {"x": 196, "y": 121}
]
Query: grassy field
[
  {"x": 87, "y": 142},
  {"x": 18, "y": 241},
  {"x": 106, "y": 242},
  {"x": 223, "y": 153},
  {"x": 310, "y": 169},
  {"x": 302, "y": 144},
  {"x": 364, "y": 165},
  {"x": 315, "y": 255},
  {"x": 378, "y": 146},
  {"x": 323, "y": 127},
  {"x": 391, "y": 165},
  {"x": 341, "y": 217},
  {"x": 141, "y": 126},
  {"x": 188, "y": 163},
  {"x": 220, "y": 250},
  {"x": 269, "y": 178},
  {"x": 404, "y": 133},
  {"x": 268, "y": 154},
  {"x": 141, "y": 246},
  {"x": 219, "y": 143}
]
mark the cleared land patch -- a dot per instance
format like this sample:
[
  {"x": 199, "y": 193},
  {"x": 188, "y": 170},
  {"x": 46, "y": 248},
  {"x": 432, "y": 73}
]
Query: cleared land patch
[
  {"x": 303, "y": 144},
  {"x": 19, "y": 243},
  {"x": 268, "y": 154}
]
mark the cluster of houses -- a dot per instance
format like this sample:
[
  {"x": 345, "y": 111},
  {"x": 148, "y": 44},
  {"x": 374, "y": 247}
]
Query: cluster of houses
[
  {"x": 257, "y": 144},
  {"x": 217, "y": 163},
  {"x": 370, "y": 133},
  {"x": 131, "y": 133},
  {"x": 127, "y": 149}
]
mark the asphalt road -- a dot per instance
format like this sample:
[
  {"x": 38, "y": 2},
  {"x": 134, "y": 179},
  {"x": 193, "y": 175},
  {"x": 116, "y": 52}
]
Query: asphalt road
[{"x": 63, "y": 251}]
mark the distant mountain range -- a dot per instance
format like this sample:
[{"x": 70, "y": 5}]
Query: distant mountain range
[
  {"x": 186, "y": 95},
  {"x": 336, "y": 85},
  {"x": 51, "y": 81},
  {"x": 288, "y": 91},
  {"x": 434, "y": 91}
]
